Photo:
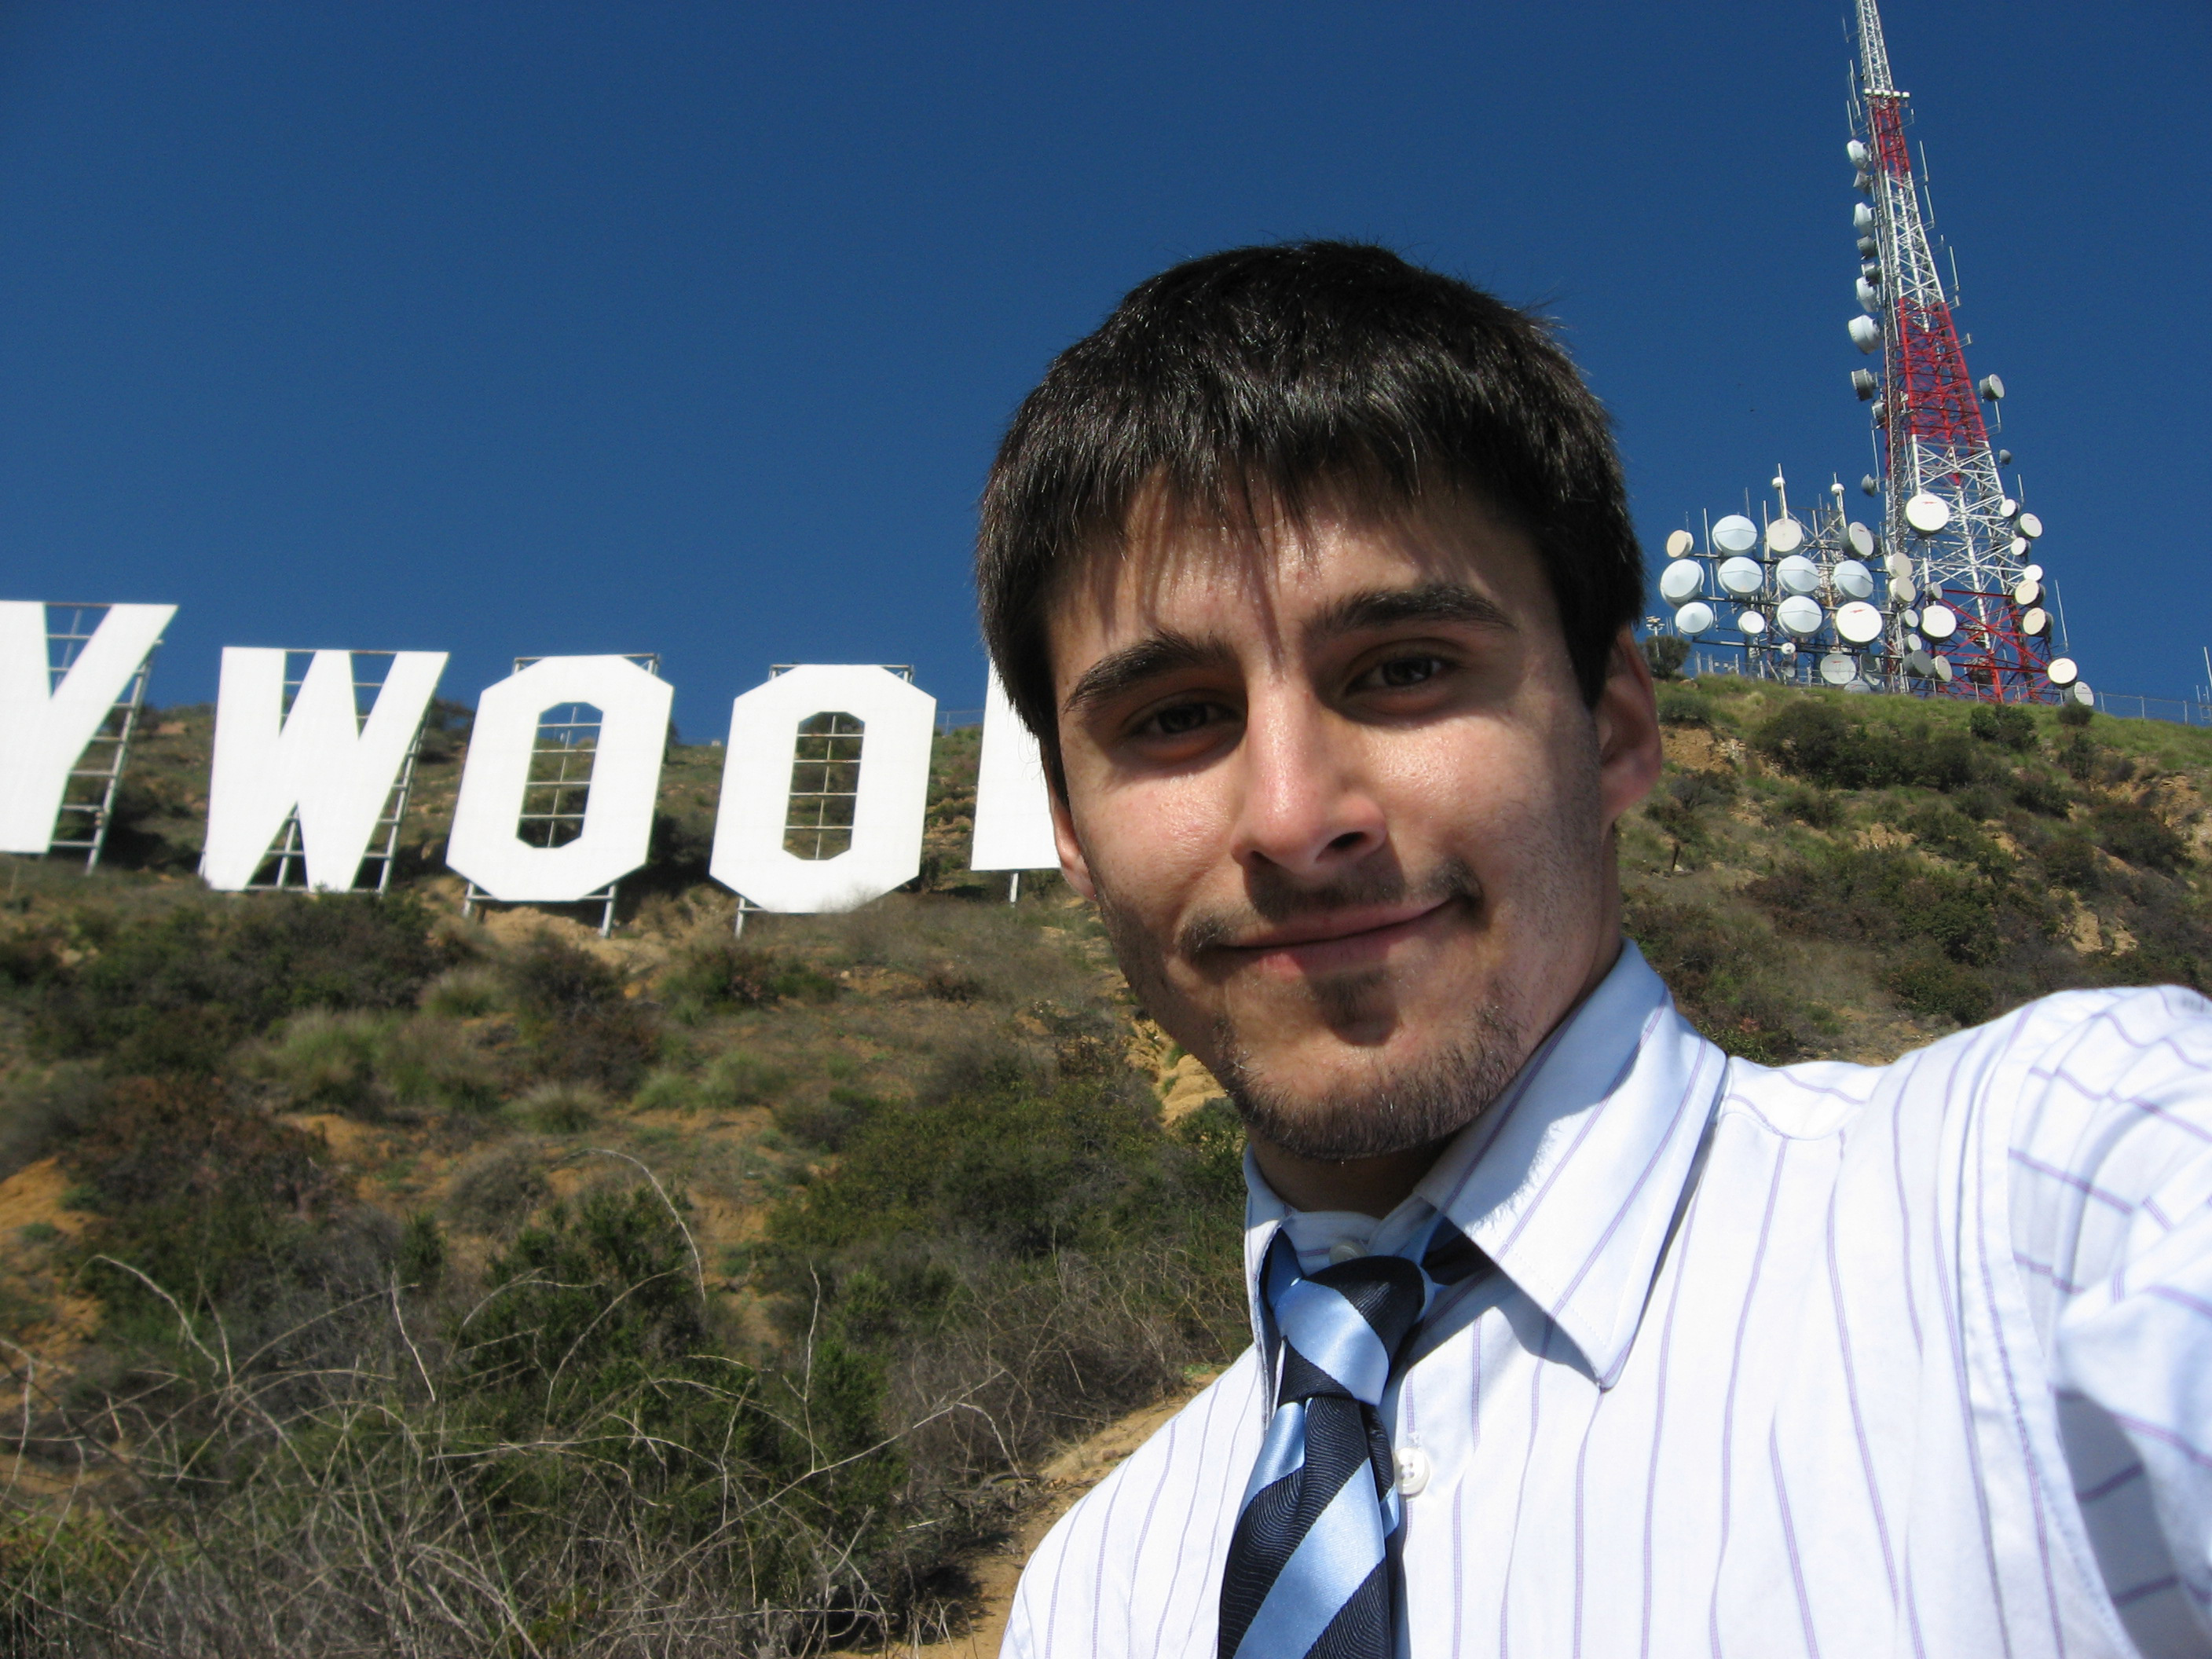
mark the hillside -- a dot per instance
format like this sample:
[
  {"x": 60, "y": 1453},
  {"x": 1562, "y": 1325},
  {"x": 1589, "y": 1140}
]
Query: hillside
[{"x": 372, "y": 1271}]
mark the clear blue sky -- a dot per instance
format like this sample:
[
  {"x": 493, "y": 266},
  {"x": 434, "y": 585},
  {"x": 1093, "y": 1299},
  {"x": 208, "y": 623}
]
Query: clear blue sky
[{"x": 539, "y": 328}]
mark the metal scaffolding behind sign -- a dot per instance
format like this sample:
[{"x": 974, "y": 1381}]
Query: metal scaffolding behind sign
[{"x": 88, "y": 802}]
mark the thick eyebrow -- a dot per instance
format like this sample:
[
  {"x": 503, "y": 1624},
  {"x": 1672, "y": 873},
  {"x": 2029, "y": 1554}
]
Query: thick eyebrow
[
  {"x": 1119, "y": 672},
  {"x": 1393, "y": 607}
]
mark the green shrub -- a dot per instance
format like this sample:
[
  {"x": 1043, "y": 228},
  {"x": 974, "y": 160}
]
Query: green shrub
[
  {"x": 2007, "y": 724},
  {"x": 2074, "y": 714},
  {"x": 575, "y": 1021},
  {"x": 1942, "y": 829},
  {"x": 2042, "y": 794},
  {"x": 496, "y": 1189},
  {"x": 1681, "y": 705},
  {"x": 1666, "y": 653},
  {"x": 463, "y": 993},
  {"x": 1726, "y": 976},
  {"x": 324, "y": 1061},
  {"x": 175, "y": 995},
  {"x": 1927, "y": 982},
  {"x": 720, "y": 972},
  {"x": 2070, "y": 860},
  {"x": 2134, "y": 834},
  {"x": 830, "y": 1121},
  {"x": 560, "y": 1107}
]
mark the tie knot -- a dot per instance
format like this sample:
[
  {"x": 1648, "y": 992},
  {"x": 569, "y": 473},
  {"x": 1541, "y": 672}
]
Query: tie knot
[{"x": 1342, "y": 1327}]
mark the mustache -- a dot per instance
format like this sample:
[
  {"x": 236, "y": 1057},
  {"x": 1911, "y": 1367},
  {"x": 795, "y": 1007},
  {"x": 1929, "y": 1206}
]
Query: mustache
[{"x": 1273, "y": 900}]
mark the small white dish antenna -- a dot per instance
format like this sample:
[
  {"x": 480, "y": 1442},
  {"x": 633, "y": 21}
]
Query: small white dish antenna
[
  {"x": 1903, "y": 590},
  {"x": 2064, "y": 671},
  {"x": 1927, "y": 514},
  {"x": 1735, "y": 534},
  {"x": 1914, "y": 642},
  {"x": 1695, "y": 618},
  {"x": 2007, "y": 509},
  {"x": 2034, "y": 574},
  {"x": 1741, "y": 576},
  {"x": 1750, "y": 625},
  {"x": 2018, "y": 547},
  {"x": 1861, "y": 539},
  {"x": 1862, "y": 216},
  {"x": 2027, "y": 591},
  {"x": 1797, "y": 575},
  {"x": 1858, "y": 622},
  {"x": 1911, "y": 617},
  {"x": 2082, "y": 694},
  {"x": 1852, "y": 579},
  {"x": 1799, "y": 615},
  {"x": 2029, "y": 525},
  {"x": 1679, "y": 544},
  {"x": 2035, "y": 622},
  {"x": 1787, "y": 649},
  {"x": 1857, "y": 151},
  {"x": 1837, "y": 669},
  {"x": 1900, "y": 567},
  {"x": 1681, "y": 582},
  {"x": 1865, "y": 332},
  {"x": 1919, "y": 664},
  {"x": 1785, "y": 535},
  {"x": 1938, "y": 622},
  {"x": 1943, "y": 669},
  {"x": 1865, "y": 294}
]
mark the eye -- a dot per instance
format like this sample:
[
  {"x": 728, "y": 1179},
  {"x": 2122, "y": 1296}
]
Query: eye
[
  {"x": 1397, "y": 673},
  {"x": 1179, "y": 720}
]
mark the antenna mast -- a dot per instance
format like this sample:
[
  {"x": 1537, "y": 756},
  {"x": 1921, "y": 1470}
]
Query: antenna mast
[{"x": 1944, "y": 503}]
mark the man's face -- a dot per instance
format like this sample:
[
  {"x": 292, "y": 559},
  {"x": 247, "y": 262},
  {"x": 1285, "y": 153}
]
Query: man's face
[{"x": 1344, "y": 810}]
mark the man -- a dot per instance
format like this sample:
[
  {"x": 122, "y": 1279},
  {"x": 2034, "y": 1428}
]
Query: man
[{"x": 1313, "y": 573}]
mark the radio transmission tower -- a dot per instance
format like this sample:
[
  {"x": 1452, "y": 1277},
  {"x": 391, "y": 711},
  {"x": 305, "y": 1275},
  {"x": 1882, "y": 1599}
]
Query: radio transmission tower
[{"x": 1945, "y": 510}]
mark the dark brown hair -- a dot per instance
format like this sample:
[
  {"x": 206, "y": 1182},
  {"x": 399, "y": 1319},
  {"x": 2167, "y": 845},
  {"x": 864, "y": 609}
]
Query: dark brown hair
[{"x": 1282, "y": 371}]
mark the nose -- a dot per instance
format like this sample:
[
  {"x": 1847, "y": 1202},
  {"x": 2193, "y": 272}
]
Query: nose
[{"x": 1307, "y": 808}]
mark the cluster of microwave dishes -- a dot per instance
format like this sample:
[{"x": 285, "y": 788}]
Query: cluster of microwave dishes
[{"x": 1788, "y": 595}]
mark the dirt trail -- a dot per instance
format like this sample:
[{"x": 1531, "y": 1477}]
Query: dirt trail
[{"x": 1066, "y": 1478}]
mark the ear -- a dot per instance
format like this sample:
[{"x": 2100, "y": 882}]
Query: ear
[
  {"x": 1627, "y": 717},
  {"x": 1072, "y": 863}
]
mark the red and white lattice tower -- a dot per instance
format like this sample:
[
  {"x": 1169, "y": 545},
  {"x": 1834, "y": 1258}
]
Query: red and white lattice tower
[{"x": 1971, "y": 600}]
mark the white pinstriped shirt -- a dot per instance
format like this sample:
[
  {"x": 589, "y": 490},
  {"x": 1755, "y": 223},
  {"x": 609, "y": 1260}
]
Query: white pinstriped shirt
[{"x": 1912, "y": 1359}]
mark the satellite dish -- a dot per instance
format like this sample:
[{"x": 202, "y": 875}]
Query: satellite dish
[
  {"x": 2063, "y": 671},
  {"x": 1741, "y": 576},
  {"x": 1899, "y": 566},
  {"x": 2027, "y": 591},
  {"x": 2018, "y": 546},
  {"x": 2082, "y": 694},
  {"x": 1902, "y": 590},
  {"x": 1919, "y": 664},
  {"x": 1863, "y": 384},
  {"x": 1750, "y": 625},
  {"x": 2029, "y": 525},
  {"x": 1943, "y": 669},
  {"x": 1914, "y": 642},
  {"x": 1865, "y": 293},
  {"x": 1865, "y": 332},
  {"x": 2034, "y": 574},
  {"x": 2035, "y": 622},
  {"x": 1853, "y": 579},
  {"x": 2004, "y": 457},
  {"x": 1785, "y": 535},
  {"x": 1859, "y": 623},
  {"x": 1837, "y": 669},
  {"x": 1681, "y": 582},
  {"x": 1799, "y": 615},
  {"x": 1992, "y": 389},
  {"x": 1927, "y": 514},
  {"x": 2007, "y": 509},
  {"x": 1679, "y": 544},
  {"x": 1869, "y": 485},
  {"x": 1938, "y": 621},
  {"x": 1857, "y": 152},
  {"x": 1735, "y": 534},
  {"x": 1912, "y": 618},
  {"x": 1797, "y": 575},
  {"x": 1695, "y": 618},
  {"x": 1787, "y": 649},
  {"x": 1861, "y": 539},
  {"x": 1862, "y": 217}
]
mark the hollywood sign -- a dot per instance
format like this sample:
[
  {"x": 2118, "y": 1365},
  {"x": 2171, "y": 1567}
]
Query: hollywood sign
[{"x": 316, "y": 776}]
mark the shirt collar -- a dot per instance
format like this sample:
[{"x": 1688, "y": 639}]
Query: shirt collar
[{"x": 1571, "y": 1182}]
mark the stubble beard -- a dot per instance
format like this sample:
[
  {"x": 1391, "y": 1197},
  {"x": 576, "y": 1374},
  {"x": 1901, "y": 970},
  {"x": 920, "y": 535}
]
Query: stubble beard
[
  {"x": 1448, "y": 1082},
  {"x": 1416, "y": 1102}
]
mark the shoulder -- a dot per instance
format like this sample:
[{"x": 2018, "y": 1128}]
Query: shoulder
[
  {"x": 1130, "y": 1538},
  {"x": 2066, "y": 1051}
]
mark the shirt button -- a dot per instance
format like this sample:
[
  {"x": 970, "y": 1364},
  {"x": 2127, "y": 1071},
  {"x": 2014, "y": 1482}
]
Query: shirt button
[
  {"x": 1344, "y": 1250},
  {"x": 1413, "y": 1470}
]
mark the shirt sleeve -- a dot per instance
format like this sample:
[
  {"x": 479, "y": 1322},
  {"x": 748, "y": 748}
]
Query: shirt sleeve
[{"x": 2111, "y": 1195}]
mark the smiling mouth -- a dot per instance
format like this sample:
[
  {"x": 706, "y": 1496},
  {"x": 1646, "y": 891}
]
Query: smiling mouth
[{"x": 1336, "y": 941}]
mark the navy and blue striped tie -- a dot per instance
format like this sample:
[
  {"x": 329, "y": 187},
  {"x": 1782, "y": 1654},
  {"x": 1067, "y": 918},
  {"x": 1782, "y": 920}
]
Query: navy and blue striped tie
[{"x": 1310, "y": 1573}]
